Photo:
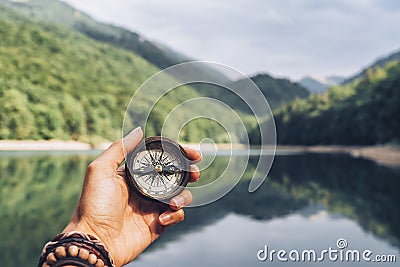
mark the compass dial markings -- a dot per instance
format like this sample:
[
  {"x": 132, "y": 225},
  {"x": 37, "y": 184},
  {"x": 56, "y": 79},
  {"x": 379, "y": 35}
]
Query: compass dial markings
[
  {"x": 147, "y": 160},
  {"x": 148, "y": 178},
  {"x": 158, "y": 172},
  {"x": 153, "y": 160},
  {"x": 160, "y": 157}
]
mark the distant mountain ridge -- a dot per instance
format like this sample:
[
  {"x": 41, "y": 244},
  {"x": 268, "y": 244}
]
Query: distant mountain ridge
[
  {"x": 320, "y": 85},
  {"x": 362, "y": 112},
  {"x": 61, "y": 13},
  {"x": 277, "y": 91}
]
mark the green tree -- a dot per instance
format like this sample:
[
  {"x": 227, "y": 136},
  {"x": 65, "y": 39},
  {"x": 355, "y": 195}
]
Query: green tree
[{"x": 16, "y": 120}]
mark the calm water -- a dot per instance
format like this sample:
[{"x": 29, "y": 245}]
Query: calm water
[{"x": 309, "y": 202}]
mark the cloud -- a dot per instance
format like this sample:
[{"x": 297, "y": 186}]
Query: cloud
[
  {"x": 289, "y": 38},
  {"x": 388, "y": 5}
]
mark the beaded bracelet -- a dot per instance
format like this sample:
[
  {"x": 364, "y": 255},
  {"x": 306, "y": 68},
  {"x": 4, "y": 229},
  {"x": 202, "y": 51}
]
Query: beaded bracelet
[{"x": 75, "y": 248}]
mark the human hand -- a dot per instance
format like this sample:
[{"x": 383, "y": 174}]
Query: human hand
[{"x": 124, "y": 221}]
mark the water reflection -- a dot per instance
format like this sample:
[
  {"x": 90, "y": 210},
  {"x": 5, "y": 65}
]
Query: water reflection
[
  {"x": 235, "y": 239},
  {"x": 308, "y": 202},
  {"x": 37, "y": 197}
]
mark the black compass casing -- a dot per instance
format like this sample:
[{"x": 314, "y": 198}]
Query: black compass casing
[{"x": 157, "y": 168}]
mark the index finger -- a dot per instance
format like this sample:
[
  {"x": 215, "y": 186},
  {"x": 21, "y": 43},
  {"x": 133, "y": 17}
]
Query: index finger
[{"x": 193, "y": 154}]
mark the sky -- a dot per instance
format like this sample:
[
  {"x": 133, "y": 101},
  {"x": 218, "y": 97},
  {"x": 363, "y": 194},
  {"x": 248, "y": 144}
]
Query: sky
[{"x": 286, "y": 38}]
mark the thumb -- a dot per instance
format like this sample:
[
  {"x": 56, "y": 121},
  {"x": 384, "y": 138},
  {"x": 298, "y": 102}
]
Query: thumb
[{"x": 115, "y": 153}]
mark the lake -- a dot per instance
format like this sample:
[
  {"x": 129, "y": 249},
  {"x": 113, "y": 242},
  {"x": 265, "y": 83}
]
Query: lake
[{"x": 309, "y": 202}]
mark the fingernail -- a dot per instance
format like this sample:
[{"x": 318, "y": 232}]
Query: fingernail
[
  {"x": 178, "y": 201},
  {"x": 132, "y": 139},
  {"x": 195, "y": 169},
  {"x": 165, "y": 218},
  {"x": 136, "y": 131}
]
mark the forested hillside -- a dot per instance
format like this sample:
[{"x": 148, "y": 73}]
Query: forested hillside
[
  {"x": 58, "y": 12},
  {"x": 376, "y": 65},
  {"x": 59, "y": 84},
  {"x": 363, "y": 112}
]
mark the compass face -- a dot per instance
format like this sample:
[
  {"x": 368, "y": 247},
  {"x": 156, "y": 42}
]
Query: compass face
[{"x": 158, "y": 169}]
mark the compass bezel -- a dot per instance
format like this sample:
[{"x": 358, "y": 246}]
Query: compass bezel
[{"x": 164, "y": 144}]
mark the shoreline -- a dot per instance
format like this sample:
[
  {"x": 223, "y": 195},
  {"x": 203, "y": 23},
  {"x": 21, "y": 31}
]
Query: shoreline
[
  {"x": 48, "y": 145},
  {"x": 388, "y": 155}
]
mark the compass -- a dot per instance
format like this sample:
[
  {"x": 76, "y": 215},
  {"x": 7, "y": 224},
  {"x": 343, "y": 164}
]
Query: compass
[{"x": 157, "y": 168}]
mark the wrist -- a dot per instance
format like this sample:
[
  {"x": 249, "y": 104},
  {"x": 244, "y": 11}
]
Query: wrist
[
  {"x": 83, "y": 227},
  {"x": 75, "y": 249}
]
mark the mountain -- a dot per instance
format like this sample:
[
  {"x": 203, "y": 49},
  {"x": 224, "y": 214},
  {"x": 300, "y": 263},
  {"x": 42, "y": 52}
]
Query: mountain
[
  {"x": 276, "y": 90},
  {"x": 59, "y": 12},
  {"x": 376, "y": 65},
  {"x": 56, "y": 83},
  {"x": 313, "y": 84},
  {"x": 320, "y": 85},
  {"x": 362, "y": 112},
  {"x": 335, "y": 79}
]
